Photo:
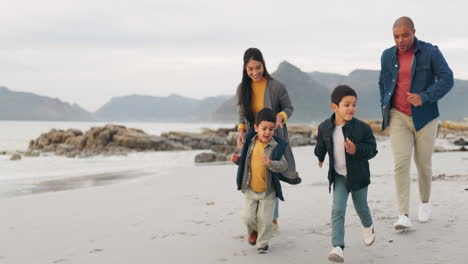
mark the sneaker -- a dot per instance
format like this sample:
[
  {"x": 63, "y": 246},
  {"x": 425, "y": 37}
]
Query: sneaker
[
  {"x": 368, "y": 235},
  {"x": 402, "y": 223},
  {"x": 263, "y": 250},
  {"x": 424, "y": 212},
  {"x": 336, "y": 255},
  {"x": 253, "y": 238}
]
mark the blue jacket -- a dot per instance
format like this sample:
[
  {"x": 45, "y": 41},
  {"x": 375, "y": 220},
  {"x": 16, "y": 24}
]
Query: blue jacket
[
  {"x": 357, "y": 165},
  {"x": 431, "y": 78}
]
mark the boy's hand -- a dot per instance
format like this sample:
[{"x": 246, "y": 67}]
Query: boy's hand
[
  {"x": 320, "y": 164},
  {"x": 234, "y": 158},
  {"x": 350, "y": 147},
  {"x": 265, "y": 160}
]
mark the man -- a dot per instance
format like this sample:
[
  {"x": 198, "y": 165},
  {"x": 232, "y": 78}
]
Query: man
[{"x": 413, "y": 77}]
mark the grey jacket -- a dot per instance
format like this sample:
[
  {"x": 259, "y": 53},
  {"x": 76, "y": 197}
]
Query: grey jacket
[
  {"x": 277, "y": 99},
  {"x": 278, "y": 166}
]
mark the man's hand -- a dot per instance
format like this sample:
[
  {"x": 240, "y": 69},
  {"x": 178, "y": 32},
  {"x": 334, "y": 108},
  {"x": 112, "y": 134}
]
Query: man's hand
[
  {"x": 320, "y": 164},
  {"x": 234, "y": 158},
  {"x": 279, "y": 121},
  {"x": 350, "y": 147},
  {"x": 414, "y": 99},
  {"x": 265, "y": 160},
  {"x": 241, "y": 138}
]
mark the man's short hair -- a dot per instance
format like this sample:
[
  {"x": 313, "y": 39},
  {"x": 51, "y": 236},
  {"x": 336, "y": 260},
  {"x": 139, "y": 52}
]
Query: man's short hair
[
  {"x": 404, "y": 21},
  {"x": 266, "y": 114},
  {"x": 341, "y": 91}
]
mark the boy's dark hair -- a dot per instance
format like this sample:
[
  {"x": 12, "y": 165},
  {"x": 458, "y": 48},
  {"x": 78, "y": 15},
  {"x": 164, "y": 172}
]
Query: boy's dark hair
[
  {"x": 266, "y": 114},
  {"x": 341, "y": 91}
]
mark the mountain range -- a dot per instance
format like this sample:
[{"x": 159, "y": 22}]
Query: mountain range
[
  {"x": 309, "y": 92},
  {"x": 29, "y": 106}
]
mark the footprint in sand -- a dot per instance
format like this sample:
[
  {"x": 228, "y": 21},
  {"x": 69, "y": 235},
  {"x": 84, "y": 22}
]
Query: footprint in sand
[
  {"x": 451, "y": 221},
  {"x": 240, "y": 253},
  {"x": 96, "y": 250},
  {"x": 185, "y": 234},
  {"x": 239, "y": 237},
  {"x": 59, "y": 260},
  {"x": 162, "y": 236}
]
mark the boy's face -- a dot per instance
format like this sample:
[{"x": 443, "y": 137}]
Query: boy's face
[
  {"x": 265, "y": 131},
  {"x": 346, "y": 109}
]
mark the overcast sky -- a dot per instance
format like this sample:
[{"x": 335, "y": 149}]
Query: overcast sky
[{"x": 86, "y": 52}]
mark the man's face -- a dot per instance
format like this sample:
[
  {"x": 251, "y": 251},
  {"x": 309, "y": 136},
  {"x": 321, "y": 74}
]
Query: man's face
[{"x": 404, "y": 38}]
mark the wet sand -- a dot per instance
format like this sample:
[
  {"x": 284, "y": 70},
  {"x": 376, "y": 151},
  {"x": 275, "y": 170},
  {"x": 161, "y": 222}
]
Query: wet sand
[{"x": 28, "y": 187}]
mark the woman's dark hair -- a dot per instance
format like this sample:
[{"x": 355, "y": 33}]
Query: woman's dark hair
[
  {"x": 341, "y": 91},
  {"x": 266, "y": 114},
  {"x": 245, "y": 92}
]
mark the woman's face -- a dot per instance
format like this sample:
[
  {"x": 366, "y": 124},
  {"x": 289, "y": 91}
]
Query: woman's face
[{"x": 254, "y": 70}]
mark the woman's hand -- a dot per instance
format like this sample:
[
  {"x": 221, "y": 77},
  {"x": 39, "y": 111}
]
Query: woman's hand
[
  {"x": 241, "y": 138},
  {"x": 279, "y": 121}
]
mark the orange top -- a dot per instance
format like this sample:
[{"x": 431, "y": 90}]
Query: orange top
[{"x": 403, "y": 86}]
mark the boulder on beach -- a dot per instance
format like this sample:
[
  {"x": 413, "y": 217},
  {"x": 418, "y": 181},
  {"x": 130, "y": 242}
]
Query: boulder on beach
[
  {"x": 107, "y": 140},
  {"x": 15, "y": 156},
  {"x": 209, "y": 157}
]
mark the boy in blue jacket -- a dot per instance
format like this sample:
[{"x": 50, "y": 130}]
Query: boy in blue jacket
[
  {"x": 349, "y": 143},
  {"x": 260, "y": 168}
]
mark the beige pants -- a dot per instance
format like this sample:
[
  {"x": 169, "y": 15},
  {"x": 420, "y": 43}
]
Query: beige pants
[
  {"x": 404, "y": 139},
  {"x": 258, "y": 215}
]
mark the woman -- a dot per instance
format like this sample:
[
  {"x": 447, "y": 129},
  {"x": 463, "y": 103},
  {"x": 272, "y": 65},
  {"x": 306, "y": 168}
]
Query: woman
[{"x": 256, "y": 91}]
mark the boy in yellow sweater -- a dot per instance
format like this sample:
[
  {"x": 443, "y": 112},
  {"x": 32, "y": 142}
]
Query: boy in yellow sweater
[{"x": 260, "y": 184}]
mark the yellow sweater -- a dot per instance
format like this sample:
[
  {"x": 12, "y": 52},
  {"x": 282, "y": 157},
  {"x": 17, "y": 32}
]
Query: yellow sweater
[
  {"x": 258, "y": 95},
  {"x": 257, "y": 168}
]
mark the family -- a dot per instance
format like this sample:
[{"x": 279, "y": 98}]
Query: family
[{"x": 413, "y": 77}]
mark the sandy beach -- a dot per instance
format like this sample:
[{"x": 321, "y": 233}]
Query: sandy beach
[{"x": 193, "y": 215}]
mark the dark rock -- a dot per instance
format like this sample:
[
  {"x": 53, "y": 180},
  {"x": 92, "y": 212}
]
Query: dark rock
[
  {"x": 15, "y": 156},
  {"x": 107, "y": 140},
  {"x": 299, "y": 140},
  {"x": 461, "y": 142},
  {"x": 224, "y": 149},
  {"x": 209, "y": 157}
]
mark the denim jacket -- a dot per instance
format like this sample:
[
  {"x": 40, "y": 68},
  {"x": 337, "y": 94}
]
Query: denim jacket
[{"x": 431, "y": 78}]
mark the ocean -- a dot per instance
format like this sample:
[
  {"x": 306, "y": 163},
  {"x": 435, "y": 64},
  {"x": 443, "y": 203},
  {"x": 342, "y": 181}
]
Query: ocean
[{"x": 19, "y": 177}]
